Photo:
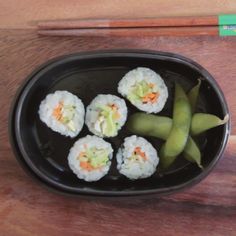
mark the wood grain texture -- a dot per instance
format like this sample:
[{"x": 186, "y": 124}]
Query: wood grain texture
[
  {"x": 134, "y": 32},
  {"x": 130, "y": 23},
  {"x": 25, "y": 13},
  {"x": 26, "y": 208}
]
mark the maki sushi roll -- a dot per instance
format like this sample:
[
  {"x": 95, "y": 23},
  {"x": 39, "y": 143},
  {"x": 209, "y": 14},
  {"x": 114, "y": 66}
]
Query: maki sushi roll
[
  {"x": 89, "y": 158},
  {"x": 145, "y": 89},
  {"x": 63, "y": 112},
  {"x": 105, "y": 115},
  {"x": 137, "y": 158}
]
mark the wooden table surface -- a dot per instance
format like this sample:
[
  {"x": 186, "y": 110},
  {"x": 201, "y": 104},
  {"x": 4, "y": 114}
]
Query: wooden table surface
[
  {"x": 26, "y": 208},
  {"x": 25, "y": 13}
]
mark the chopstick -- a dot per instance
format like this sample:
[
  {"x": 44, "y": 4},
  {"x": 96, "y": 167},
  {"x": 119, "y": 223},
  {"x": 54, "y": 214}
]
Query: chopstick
[
  {"x": 161, "y": 31},
  {"x": 130, "y": 23},
  {"x": 223, "y": 25}
]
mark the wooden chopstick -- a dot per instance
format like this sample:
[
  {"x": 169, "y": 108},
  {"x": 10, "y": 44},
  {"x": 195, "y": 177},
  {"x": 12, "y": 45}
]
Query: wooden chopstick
[
  {"x": 130, "y": 23},
  {"x": 162, "y": 31}
]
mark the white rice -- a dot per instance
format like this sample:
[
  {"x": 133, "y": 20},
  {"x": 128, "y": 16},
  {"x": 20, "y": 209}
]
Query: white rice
[
  {"x": 93, "y": 119},
  {"x": 51, "y": 101},
  {"x": 140, "y": 168},
  {"x": 78, "y": 147},
  {"x": 137, "y": 75}
]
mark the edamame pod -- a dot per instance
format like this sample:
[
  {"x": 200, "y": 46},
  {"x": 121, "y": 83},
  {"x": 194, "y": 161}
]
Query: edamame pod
[
  {"x": 193, "y": 95},
  {"x": 192, "y": 152},
  {"x": 159, "y": 127},
  {"x": 150, "y": 125},
  {"x": 202, "y": 122},
  {"x": 178, "y": 136},
  {"x": 165, "y": 161}
]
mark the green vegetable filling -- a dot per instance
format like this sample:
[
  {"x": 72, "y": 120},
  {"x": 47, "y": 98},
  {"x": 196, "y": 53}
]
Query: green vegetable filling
[
  {"x": 139, "y": 91},
  {"x": 109, "y": 117},
  {"x": 68, "y": 113},
  {"x": 95, "y": 157}
]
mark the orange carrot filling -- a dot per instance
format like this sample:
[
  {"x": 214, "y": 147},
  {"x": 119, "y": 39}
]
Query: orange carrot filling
[
  {"x": 86, "y": 165},
  {"x": 150, "y": 97},
  {"x": 137, "y": 151},
  {"x": 89, "y": 160},
  {"x": 57, "y": 112}
]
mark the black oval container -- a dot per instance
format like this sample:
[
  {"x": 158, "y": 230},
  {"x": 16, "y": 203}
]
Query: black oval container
[{"x": 43, "y": 153}]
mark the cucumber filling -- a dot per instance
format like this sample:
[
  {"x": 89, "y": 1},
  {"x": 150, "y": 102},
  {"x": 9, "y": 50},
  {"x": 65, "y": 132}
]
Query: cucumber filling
[
  {"x": 143, "y": 92},
  {"x": 107, "y": 122},
  {"x": 94, "y": 158}
]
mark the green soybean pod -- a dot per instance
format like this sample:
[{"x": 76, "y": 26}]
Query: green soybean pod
[
  {"x": 165, "y": 160},
  {"x": 149, "y": 125},
  {"x": 202, "y": 122},
  {"x": 192, "y": 152},
  {"x": 178, "y": 136},
  {"x": 159, "y": 127},
  {"x": 193, "y": 95}
]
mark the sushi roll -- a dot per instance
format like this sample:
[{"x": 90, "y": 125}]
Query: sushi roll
[
  {"x": 145, "y": 89},
  {"x": 137, "y": 158},
  {"x": 105, "y": 115},
  {"x": 89, "y": 158},
  {"x": 63, "y": 112}
]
